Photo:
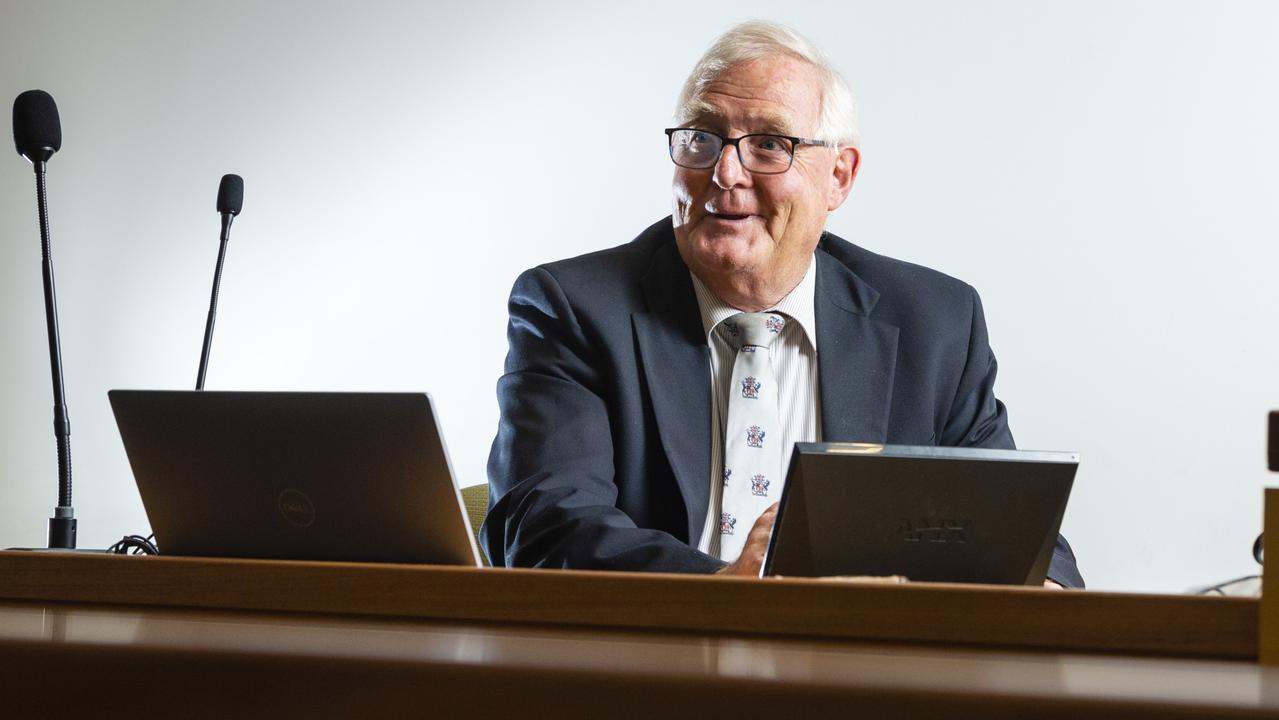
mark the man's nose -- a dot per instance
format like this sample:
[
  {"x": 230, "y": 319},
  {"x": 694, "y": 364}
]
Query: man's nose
[{"x": 728, "y": 170}]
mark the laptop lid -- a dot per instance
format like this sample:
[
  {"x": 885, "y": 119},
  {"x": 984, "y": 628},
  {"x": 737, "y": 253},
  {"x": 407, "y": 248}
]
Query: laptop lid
[
  {"x": 295, "y": 475},
  {"x": 927, "y": 513}
]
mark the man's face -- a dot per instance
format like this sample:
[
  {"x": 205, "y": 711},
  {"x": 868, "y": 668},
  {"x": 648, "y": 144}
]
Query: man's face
[{"x": 744, "y": 229}]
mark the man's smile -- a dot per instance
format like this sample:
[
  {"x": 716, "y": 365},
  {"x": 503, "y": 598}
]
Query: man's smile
[{"x": 728, "y": 213}]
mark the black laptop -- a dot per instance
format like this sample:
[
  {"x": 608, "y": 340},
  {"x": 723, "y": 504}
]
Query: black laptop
[
  {"x": 926, "y": 513},
  {"x": 295, "y": 475}
]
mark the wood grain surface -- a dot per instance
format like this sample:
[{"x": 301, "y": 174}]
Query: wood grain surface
[
  {"x": 964, "y": 615},
  {"x": 1269, "y": 620},
  {"x": 77, "y": 661}
]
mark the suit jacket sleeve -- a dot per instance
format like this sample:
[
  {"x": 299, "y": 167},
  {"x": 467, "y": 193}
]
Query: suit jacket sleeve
[
  {"x": 552, "y": 496},
  {"x": 978, "y": 419}
]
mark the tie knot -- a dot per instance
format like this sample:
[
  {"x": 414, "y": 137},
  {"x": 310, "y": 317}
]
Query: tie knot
[{"x": 754, "y": 329}]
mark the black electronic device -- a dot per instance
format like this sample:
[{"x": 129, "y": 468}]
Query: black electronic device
[
  {"x": 295, "y": 475},
  {"x": 37, "y": 134},
  {"x": 925, "y": 513},
  {"x": 230, "y": 200},
  {"x": 1272, "y": 443}
]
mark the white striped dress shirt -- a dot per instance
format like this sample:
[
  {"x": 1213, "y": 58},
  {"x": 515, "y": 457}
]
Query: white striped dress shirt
[{"x": 794, "y": 358}]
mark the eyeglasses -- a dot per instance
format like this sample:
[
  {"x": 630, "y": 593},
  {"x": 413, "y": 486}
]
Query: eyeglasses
[{"x": 760, "y": 153}]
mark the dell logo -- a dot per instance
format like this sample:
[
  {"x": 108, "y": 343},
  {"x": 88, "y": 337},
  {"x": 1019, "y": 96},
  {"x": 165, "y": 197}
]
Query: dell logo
[
  {"x": 296, "y": 508},
  {"x": 934, "y": 531}
]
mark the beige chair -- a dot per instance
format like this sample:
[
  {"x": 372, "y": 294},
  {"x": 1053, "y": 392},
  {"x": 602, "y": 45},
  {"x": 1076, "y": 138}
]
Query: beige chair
[{"x": 476, "y": 500}]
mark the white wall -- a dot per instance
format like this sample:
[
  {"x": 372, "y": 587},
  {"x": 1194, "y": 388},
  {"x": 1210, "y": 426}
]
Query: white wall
[{"x": 1103, "y": 172}]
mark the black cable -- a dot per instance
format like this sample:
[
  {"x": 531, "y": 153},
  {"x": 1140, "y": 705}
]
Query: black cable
[
  {"x": 135, "y": 545},
  {"x": 1220, "y": 588}
]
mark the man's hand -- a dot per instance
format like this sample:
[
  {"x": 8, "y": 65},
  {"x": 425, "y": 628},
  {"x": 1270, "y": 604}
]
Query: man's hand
[
  {"x": 752, "y": 557},
  {"x": 1051, "y": 585}
]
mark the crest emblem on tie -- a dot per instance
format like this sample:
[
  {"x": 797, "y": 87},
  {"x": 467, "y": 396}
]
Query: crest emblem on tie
[
  {"x": 750, "y": 388},
  {"x": 759, "y": 486},
  {"x": 728, "y": 472},
  {"x": 726, "y": 524},
  {"x": 732, "y": 328},
  {"x": 754, "y": 436},
  {"x": 774, "y": 323}
]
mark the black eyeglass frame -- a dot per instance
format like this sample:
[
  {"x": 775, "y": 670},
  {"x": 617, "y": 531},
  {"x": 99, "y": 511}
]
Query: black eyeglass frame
[{"x": 796, "y": 142}]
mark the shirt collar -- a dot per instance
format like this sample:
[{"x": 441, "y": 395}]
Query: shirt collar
[{"x": 797, "y": 305}]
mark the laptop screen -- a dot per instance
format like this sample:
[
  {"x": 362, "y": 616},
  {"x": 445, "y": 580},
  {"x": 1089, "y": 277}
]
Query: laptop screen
[
  {"x": 925, "y": 513},
  {"x": 295, "y": 475}
]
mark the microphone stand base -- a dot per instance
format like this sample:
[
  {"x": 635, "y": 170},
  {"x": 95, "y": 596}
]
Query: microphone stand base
[{"x": 62, "y": 529}]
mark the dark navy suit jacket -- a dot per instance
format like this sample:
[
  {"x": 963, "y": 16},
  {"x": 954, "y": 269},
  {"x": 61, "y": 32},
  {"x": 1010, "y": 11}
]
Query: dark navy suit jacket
[{"x": 602, "y": 456}]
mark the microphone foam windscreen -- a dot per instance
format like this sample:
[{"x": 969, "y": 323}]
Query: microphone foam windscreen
[
  {"x": 35, "y": 124},
  {"x": 231, "y": 194}
]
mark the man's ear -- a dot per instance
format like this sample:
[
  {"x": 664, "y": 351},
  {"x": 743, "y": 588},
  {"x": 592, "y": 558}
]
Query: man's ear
[{"x": 842, "y": 176}]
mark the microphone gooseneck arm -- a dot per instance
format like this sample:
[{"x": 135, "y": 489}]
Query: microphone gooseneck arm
[
  {"x": 227, "y": 219},
  {"x": 62, "y": 526}
]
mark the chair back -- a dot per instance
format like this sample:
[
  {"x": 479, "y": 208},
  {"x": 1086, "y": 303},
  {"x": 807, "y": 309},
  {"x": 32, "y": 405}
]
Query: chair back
[{"x": 476, "y": 500}]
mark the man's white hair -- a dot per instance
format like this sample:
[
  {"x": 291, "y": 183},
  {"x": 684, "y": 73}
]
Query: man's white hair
[{"x": 757, "y": 39}]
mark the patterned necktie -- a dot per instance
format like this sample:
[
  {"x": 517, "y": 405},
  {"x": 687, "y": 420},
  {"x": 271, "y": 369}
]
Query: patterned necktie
[{"x": 753, "y": 433}]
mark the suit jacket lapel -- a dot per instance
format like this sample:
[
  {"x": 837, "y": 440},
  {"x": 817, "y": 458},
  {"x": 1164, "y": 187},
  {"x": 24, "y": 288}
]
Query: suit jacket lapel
[
  {"x": 676, "y": 362},
  {"x": 856, "y": 356}
]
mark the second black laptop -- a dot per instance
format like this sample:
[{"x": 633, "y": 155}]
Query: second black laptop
[{"x": 926, "y": 513}]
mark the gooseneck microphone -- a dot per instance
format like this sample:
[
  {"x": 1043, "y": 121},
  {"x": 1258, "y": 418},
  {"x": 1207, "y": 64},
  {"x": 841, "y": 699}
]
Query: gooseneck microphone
[
  {"x": 230, "y": 199},
  {"x": 37, "y": 133}
]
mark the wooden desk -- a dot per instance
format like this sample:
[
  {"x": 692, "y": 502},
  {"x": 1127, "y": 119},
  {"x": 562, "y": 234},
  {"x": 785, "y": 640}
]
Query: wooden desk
[{"x": 218, "y": 638}]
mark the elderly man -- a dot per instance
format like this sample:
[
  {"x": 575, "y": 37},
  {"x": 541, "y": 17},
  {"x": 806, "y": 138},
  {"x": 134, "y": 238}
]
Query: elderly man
[{"x": 647, "y": 386}]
